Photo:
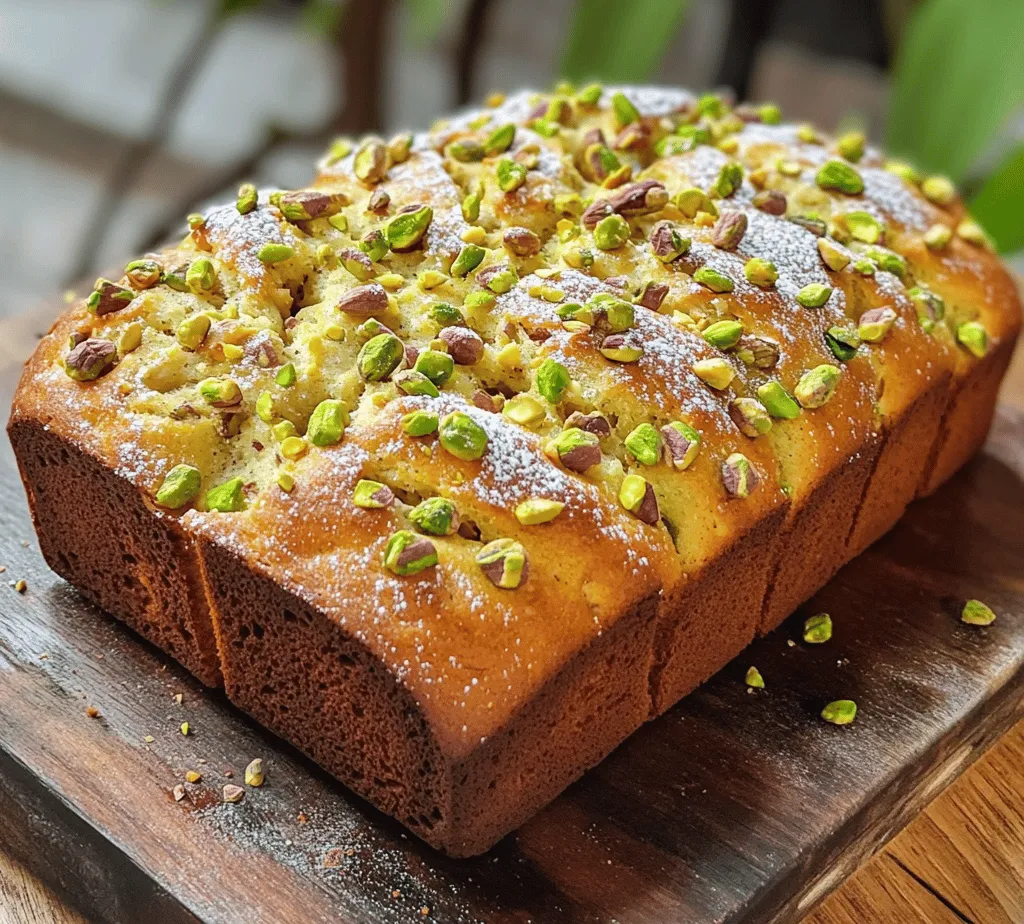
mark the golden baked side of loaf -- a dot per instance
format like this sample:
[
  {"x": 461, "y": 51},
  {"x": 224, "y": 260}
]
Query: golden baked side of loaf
[{"x": 498, "y": 439}]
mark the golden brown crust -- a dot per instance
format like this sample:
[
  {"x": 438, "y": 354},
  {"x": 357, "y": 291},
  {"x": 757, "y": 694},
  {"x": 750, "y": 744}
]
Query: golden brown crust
[{"x": 547, "y": 235}]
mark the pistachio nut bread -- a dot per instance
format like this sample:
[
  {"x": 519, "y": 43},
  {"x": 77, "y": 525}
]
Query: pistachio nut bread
[{"x": 458, "y": 465}]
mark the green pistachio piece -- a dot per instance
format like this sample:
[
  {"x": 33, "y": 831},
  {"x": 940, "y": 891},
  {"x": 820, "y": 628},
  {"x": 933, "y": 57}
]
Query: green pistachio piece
[
  {"x": 590, "y": 95},
  {"x": 865, "y": 267},
  {"x": 327, "y": 423},
  {"x": 624, "y": 111},
  {"x": 511, "y": 175},
  {"x": 340, "y": 148},
  {"x": 904, "y": 171},
  {"x": 275, "y": 253},
  {"x": 447, "y": 315},
  {"x": 644, "y": 443},
  {"x": 937, "y": 237},
  {"x": 973, "y": 336},
  {"x": 498, "y": 279},
  {"x": 930, "y": 307},
  {"x": 637, "y": 496},
  {"x": 840, "y": 712},
  {"x": 875, "y": 324},
  {"x": 175, "y": 278},
  {"x": 283, "y": 429},
  {"x": 611, "y": 232},
  {"x": 814, "y": 295},
  {"x": 667, "y": 242},
  {"x": 192, "y": 331},
  {"x": 750, "y": 417},
  {"x": 712, "y": 106},
  {"x": 466, "y": 151},
  {"x": 265, "y": 407},
  {"x": 739, "y": 477},
  {"x": 108, "y": 297},
  {"x": 552, "y": 379},
  {"x": 435, "y": 365},
  {"x": 843, "y": 342},
  {"x": 863, "y": 227},
  {"x": 500, "y": 140},
  {"x": 851, "y": 146},
  {"x": 578, "y": 450},
  {"x": 247, "y": 198},
  {"x": 888, "y": 261},
  {"x": 221, "y": 392},
  {"x": 841, "y": 177},
  {"x": 503, "y": 562},
  {"x": 713, "y": 280},
  {"x": 479, "y": 301},
  {"x": 770, "y": 114},
  {"x": 716, "y": 373},
  {"x": 524, "y": 410},
  {"x": 286, "y": 376},
  {"x": 939, "y": 189},
  {"x": 753, "y": 679},
  {"x": 406, "y": 229},
  {"x": 411, "y": 382},
  {"x": 617, "y": 314},
  {"x": 143, "y": 274},
  {"x": 761, "y": 273},
  {"x": 818, "y": 629},
  {"x": 375, "y": 245},
  {"x": 729, "y": 179},
  {"x": 370, "y": 163},
  {"x": 538, "y": 510},
  {"x": 976, "y": 613},
  {"x": 227, "y": 497},
  {"x": 180, "y": 485},
  {"x": 420, "y": 423},
  {"x": 817, "y": 385},
  {"x": 681, "y": 444},
  {"x": 372, "y": 495},
  {"x": 970, "y": 231},
  {"x": 201, "y": 276},
  {"x": 436, "y": 516},
  {"x": 723, "y": 334},
  {"x": 693, "y": 200},
  {"x": 407, "y": 553},
  {"x": 469, "y": 258},
  {"x": 471, "y": 206},
  {"x": 462, "y": 436},
  {"x": 617, "y": 348},
  {"x": 833, "y": 256},
  {"x": 379, "y": 357},
  {"x": 778, "y": 401}
]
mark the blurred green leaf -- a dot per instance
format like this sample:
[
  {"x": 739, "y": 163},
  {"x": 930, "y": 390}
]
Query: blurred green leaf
[
  {"x": 231, "y": 7},
  {"x": 323, "y": 17},
  {"x": 427, "y": 19},
  {"x": 620, "y": 41},
  {"x": 999, "y": 205},
  {"x": 956, "y": 80}
]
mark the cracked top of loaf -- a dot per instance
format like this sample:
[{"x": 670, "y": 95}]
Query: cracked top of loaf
[{"x": 475, "y": 393}]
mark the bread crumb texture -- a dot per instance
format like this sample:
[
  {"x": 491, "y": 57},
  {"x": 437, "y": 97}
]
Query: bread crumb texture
[{"x": 509, "y": 430}]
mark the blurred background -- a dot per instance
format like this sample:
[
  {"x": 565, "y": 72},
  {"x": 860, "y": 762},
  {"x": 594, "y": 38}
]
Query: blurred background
[{"x": 117, "y": 117}]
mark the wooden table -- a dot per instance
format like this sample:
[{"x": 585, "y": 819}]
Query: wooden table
[{"x": 961, "y": 860}]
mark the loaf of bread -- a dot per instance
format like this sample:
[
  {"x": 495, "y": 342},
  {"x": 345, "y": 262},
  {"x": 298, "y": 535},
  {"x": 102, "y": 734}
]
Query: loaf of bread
[{"x": 460, "y": 464}]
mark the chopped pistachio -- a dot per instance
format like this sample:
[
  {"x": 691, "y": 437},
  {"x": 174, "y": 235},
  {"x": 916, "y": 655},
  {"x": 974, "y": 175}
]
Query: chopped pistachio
[
  {"x": 327, "y": 423},
  {"x": 286, "y": 375},
  {"x": 739, "y": 477},
  {"x": 226, "y": 497},
  {"x": 833, "y": 256},
  {"x": 863, "y": 227},
  {"x": 611, "y": 232},
  {"x": 644, "y": 444},
  {"x": 293, "y": 448},
  {"x": 753, "y": 679},
  {"x": 500, "y": 140},
  {"x": 247, "y": 198},
  {"x": 370, "y": 163},
  {"x": 469, "y": 258},
  {"x": 693, "y": 200},
  {"x": 511, "y": 175},
  {"x": 904, "y": 171},
  {"x": 761, "y": 273},
  {"x": 143, "y": 274},
  {"x": 618, "y": 349},
  {"x": 379, "y": 357},
  {"x": 717, "y": 373},
  {"x": 817, "y": 385},
  {"x": 108, "y": 297},
  {"x": 624, "y": 111},
  {"x": 577, "y": 449},
  {"x": 976, "y": 613},
  {"x": 180, "y": 485},
  {"x": 750, "y": 417},
  {"x": 713, "y": 279},
  {"x": 192, "y": 331},
  {"x": 411, "y": 382},
  {"x": 843, "y": 342},
  {"x": 338, "y": 222},
  {"x": 937, "y": 237},
  {"x": 939, "y": 189},
  {"x": 729, "y": 179},
  {"x": 840, "y": 712},
  {"x": 970, "y": 231},
  {"x": 552, "y": 378},
  {"x": 875, "y": 324},
  {"x": 285, "y": 482},
  {"x": 420, "y": 423},
  {"x": 201, "y": 276},
  {"x": 282, "y": 430},
  {"x": 667, "y": 242},
  {"x": 681, "y": 443},
  {"x": 818, "y": 629},
  {"x": 265, "y": 407},
  {"x": 723, "y": 334},
  {"x": 435, "y": 365},
  {"x": 375, "y": 245},
  {"x": 221, "y": 392},
  {"x": 973, "y": 336},
  {"x": 814, "y": 295},
  {"x": 729, "y": 229},
  {"x": 778, "y": 402},
  {"x": 406, "y": 229},
  {"x": 462, "y": 436},
  {"x": 538, "y": 510},
  {"x": 407, "y": 553},
  {"x": 770, "y": 114},
  {"x": 372, "y": 495},
  {"x": 254, "y": 775},
  {"x": 524, "y": 410},
  {"x": 275, "y": 253},
  {"x": 637, "y": 496},
  {"x": 851, "y": 146},
  {"x": 436, "y": 516},
  {"x": 232, "y": 793},
  {"x": 930, "y": 307},
  {"x": 503, "y": 562},
  {"x": 130, "y": 339}
]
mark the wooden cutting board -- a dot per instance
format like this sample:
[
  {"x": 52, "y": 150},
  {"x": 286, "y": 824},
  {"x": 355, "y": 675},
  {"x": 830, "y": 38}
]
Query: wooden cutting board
[{"x": 734, "y": 807}]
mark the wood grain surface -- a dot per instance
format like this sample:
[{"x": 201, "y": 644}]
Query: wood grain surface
[{"x": 730, "y": 808}]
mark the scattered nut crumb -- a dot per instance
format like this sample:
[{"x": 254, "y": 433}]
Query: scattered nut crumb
[
  {"x": 179, "y": 792},
  {"x": 186, "y": 729},
  {"x": 233, "y": 793},
  {"x": 149, "y": 739},
  {"x": 191, "y": 776},
  {"x": 92, "y": 712},
  {"x": 178, "y": 697},
  {"x": 229, "y": 773},
  {"x": 395, "y": 893},
  {"x": 20, "y": 586},
  {"x": 254, "y": 773},
  {"x": 3, "y": 568}
]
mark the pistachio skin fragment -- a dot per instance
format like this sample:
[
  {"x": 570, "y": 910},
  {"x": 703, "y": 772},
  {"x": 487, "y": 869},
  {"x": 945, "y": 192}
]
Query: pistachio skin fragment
[
  {"x": 538, "y": 510},
  {"x": 777, "y": 401},
  {"x": 973, "y": 336},
  {"x": 227, "y": 497},
  {"x": 90, "y": 359},
  {"x": 435, "y": 516},
  {"x": 552, "y": 379},
  {"x": 976, "y": 613},
  {"x": 637, "y": 496},
  {"x": 420, "y": 423},
  {"x": 179, "y": 487},
  {"x": 840, "y": 712},
  {"x": 462, "y": 436},
  {"x": 817, "y": 385},
  {"x": 407, "y": 553},
  {"x": 644, "y": 444},
  {"x": 504, "y": 563},
  {"x": 372, "y": 495},
  {"x": 327, "y": 423},
  {"x": 818, "y": 629},
  {"x": 753, "y": 679}
]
